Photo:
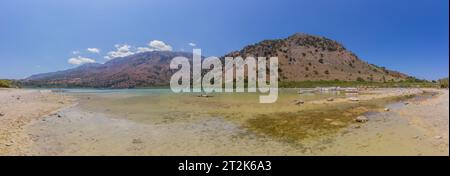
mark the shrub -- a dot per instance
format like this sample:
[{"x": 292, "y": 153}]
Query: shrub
[
  {"x": 443, "y": 83},
  {"x": 5, "y": 83},
  {"x": 359, "y": 79},
  {"x": 321, "y": 61}
]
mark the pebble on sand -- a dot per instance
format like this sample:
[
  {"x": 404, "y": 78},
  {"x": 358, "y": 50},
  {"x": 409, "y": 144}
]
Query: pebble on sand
[
  {"x": 10, "y": 143},
  {"x": 330, "y": 99},
  {"x": 337, "y": 123},
  {"x": 137, "y": 141},
  {"x": 2, "y": 114},
  {"x": 361, "y": 119},
  {"x": 353, "y": 99},
  {"x": 357, "y": 127},
  {"x": 387, "y": 109},
  {"x": 438, "y": 137},
  {"x": 205, "y": 95}
]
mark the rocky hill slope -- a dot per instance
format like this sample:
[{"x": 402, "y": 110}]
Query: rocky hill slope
[{"x": 305, "y": 57}]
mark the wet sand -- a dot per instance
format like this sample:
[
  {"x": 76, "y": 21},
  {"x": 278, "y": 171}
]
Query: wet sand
[{"x": 167, "y": 124}]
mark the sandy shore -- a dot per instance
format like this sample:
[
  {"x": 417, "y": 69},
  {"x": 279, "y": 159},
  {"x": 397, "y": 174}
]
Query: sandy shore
[
  {"x": 19, "y": 107},
  {"x": 432, "y": 117},
  {"x": 415, "y": 127},
  {"x": 43, "y": 123}
]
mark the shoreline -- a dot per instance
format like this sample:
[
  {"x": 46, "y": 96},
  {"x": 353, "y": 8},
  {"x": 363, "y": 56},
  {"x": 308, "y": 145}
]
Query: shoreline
[{"x": 432, "y": 117}]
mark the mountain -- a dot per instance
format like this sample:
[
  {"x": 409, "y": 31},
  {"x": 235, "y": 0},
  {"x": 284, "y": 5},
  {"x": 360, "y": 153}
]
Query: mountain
[
  {"x": 302, "y": 57},
  {"x": 305, "y": 57},
  {"x": 138, "y": 70}
]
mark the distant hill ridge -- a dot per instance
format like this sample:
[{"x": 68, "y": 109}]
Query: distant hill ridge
[{"x": 302, "y": 57}]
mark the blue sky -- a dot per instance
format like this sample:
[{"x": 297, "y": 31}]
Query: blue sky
[{"x": 411, "y": 36}]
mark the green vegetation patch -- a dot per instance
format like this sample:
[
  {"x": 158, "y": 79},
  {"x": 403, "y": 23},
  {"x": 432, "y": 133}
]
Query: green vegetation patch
[
  {"x": 5, "y": 83},
  {"x": 443, "y": 83},
  {"x": 361, "y": 83}
]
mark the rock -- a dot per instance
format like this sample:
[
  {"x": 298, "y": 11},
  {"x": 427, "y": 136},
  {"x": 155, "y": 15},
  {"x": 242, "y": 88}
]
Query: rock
[
  {"x": 330, "y": 99},
  {"x": 361, "y": 119},
  {"x": 328, "y": 120},
  {"x": 299, "y": 102},
  {"x": 61, "y": 102},
  {"x": 59, "y": 116},
  {"x": 10, "y": 143},
  {"x": 336, "y": 123},
  {"x": 406, "y": 103},
  {"x": 354, "y": 99},
  {"x": 2, "y": 114},
  {"x": 205, "y": 95},
  {"x": 387, "y": 109},
  {"x": 137, "y": 141},
  {"x": 357, "y": 127}
]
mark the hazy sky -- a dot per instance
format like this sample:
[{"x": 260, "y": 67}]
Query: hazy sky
[{"x": 411, "y": 36}]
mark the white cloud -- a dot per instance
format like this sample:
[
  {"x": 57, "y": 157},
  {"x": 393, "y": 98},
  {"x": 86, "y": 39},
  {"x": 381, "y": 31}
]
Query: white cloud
[
  {"x": 75, "y": 52},
  {"x": 93, "y": 50},
  {"x": 155, "y": 45},
  {"x": 121, "y": 51},
  {"x": 192, "y": 44},
  {"x": 80, "y": 60},
  {"x": 127, "y": 50},
  {"x": 159, "y": 46}
]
